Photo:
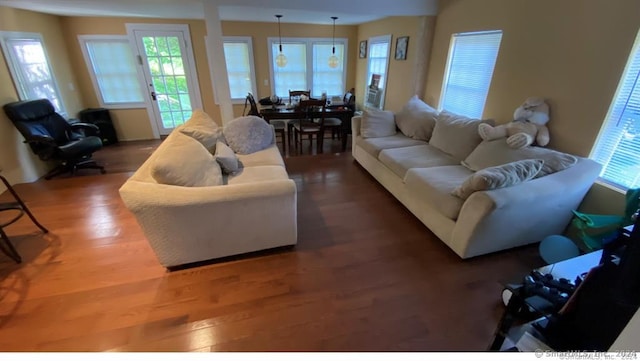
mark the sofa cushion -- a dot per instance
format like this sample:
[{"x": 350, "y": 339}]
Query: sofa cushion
[
  {"x": 226, "y": 158},
  {"x": 455, "y": 134},
  {"x": 246, "y": 135},
  {"x": 400, "y": 160},
  {"x": 497, "y": 152},
  {"x": 377, "y": 123},
  {"x": 259, "y": 173},
  {"x": 202, "y": 128},
  {"x": 505, "y": 175},
  {"x": 268, "y": 156},
  {"x": 374, "y": 146},
  {"x": 185, "y": 162},
  {"x": 434, "y": 185},
  {"x": 416, "y": 119}
]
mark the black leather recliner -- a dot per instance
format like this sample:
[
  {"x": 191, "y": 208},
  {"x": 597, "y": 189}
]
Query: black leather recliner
[{"x": 52, "y": 138}]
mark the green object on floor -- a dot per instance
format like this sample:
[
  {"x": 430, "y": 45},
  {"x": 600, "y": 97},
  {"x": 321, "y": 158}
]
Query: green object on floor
[{"x": 591, "y": 231}]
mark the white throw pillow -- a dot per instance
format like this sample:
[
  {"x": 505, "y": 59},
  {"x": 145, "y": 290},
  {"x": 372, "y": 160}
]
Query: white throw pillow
[
  {"x": 455, "y": 134},
  {"x": 497, "y": 152},
  {"x": 246, "y": 135},
  {"x": 186, "y": 162},
  {"x": 202, "y": 128},
  {"x": 377, "y": 123},
  {"x": 505, "y": 175},
  {"x": 417, "y": 119},
  {"x": 227, "y": 159}
]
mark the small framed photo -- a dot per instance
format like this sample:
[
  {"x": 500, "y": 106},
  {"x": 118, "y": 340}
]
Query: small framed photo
[
  {"x": 401, "y": 47},
  {"x": 363, "y": 49}
]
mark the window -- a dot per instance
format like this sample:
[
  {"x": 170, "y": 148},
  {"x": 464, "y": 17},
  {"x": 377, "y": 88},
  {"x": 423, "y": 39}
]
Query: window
[
  {"x": 377, "y": 66},
  {"x": 618, "y": 145},
  {"x": 238, "y": 55},
  {"x": 30, "y": 69},
  {"x": 472, "y": 57},
  {"x": 308, "y": 66},
  {"x": 113, "y": 70}
]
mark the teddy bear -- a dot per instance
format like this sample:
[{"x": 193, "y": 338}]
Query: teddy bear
[{"x": 528, "y": 126}]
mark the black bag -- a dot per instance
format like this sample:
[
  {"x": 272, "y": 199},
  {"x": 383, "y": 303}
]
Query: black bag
[{"x": 267, "y": 101}]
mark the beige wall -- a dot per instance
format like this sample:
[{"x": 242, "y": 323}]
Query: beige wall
[
  {"x": 571, "y": 52},
  {"x": 18, "y": 163},
  {"x": 133, "y": 124},
  {"x": 259, "y": 32},
  {"x": 401, "y": 79}
]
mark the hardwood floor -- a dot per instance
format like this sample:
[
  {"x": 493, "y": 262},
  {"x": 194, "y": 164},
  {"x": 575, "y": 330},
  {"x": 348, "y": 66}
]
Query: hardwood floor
[{"x": 365, "y": 276}]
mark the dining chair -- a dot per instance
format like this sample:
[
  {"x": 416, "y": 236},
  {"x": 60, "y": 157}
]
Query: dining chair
[
  {"x": 335, "y": 124},
  {"x": 294, "y": 98},
  {"x": 278, "y": 125},
  {"x": 310, "y": 123}
]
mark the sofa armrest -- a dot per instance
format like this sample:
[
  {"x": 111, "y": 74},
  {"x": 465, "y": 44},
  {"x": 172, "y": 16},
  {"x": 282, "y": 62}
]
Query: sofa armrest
[
  {"x": 355, "y": 131},
  {"x": 522, "y": 214}
]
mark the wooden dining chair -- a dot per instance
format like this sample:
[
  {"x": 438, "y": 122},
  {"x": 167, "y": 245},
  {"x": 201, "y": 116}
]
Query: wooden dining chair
[
  {"x": 310, "y": 123},
  {"x": 278, "y": 125},
  {"x": 335, "y": 124},
  {"x": 294, "y": 97}
]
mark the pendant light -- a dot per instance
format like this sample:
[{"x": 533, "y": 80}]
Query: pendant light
[
  {"x": 333, "y": 59},
  {"x": 281, "y": 60}
]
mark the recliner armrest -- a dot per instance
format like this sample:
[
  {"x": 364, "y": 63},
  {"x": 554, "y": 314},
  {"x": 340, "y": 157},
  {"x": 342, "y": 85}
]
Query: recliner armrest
[
  {"x": 89, "y": 126},
  {"x": 83, "y": 130},
  {"x": 41, "y": 140}
]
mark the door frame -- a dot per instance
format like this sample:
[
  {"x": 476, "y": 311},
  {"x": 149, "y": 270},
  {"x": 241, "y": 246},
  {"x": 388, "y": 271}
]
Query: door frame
[{"x": 190, "y": 62}]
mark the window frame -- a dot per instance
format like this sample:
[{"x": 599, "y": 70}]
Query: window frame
[
  {"x": 377, "y": 40},
  {"x": 252, "y": 69},
  {"x": 12, "y": 64},
  {"x": 82, "y": 39},
  {"x": 616, "y": 110},
  {"x": 309, "y": 42},
  {"x": 447, "y": 72}
]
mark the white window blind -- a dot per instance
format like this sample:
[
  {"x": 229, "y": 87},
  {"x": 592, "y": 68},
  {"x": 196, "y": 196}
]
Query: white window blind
[
  {"x": 113, "y": 71},
  {"x": 472, "y": 57},
  {"x": 30, "y": 68},
  {"x": 618, "y": 145},
  {"x": 238, "y": 55},
  {"x": 308, "y": 66}
]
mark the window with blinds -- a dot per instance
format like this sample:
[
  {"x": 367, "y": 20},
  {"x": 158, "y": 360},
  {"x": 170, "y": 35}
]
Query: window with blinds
[
  {"x": 29, "y": 67},
  {"x": 308, "y": 66},
  {"x": 472, "y": 57},
  {"x": 377, "y": 65},
  {"x": 238, "y": 54},
  {"x": 618, "y": 145},
  {"x": 113, "y": 70}
]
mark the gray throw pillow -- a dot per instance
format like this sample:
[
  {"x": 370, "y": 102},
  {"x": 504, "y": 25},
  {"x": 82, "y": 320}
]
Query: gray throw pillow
[
  {"x": 377, "y": 123},
  {"x": 226, "y": 158},
  {"x": 455, "y": 134},
  {"x": 417, "y": 119},
  {"x": 496, "y": 152},
  {"x": 505, "y": 175},
  {"x": 246, "y": 135}
]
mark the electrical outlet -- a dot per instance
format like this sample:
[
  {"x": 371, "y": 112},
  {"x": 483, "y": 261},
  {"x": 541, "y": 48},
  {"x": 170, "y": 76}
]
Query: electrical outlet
[{"x": 266, "y": 82}]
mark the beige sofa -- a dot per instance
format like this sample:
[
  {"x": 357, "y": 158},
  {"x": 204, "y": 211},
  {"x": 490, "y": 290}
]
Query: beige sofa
[
  {"x": 423, "y": 177},
  {"x": 253, "y": 209}
]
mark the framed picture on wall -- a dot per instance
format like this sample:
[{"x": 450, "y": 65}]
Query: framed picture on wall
[
  {"x": 363, "y": 49},
  {"x": 401, "y": 47}
]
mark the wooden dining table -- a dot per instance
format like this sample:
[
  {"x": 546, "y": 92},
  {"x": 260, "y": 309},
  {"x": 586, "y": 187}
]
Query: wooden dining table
[{"x": 341, "y": 112}]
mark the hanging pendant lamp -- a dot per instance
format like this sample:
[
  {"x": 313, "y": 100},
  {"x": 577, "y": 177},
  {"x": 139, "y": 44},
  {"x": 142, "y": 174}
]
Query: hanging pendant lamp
[
  {"x": 281, "y": 60},
  {"x": 333, "y": 59}
]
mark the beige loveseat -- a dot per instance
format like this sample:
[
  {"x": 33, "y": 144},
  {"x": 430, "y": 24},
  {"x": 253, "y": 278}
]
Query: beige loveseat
[
  {"x": 252, "y": 209},
  {"x": 424, "y": 171}
]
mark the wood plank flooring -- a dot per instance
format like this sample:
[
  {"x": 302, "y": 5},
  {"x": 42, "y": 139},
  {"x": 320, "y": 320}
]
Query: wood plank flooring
[{"x": 365, "y": 276}]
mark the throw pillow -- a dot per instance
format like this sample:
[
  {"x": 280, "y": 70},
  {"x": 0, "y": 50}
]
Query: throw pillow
[
  {"x": 226, "y": 158},
  {"x": 249, "y": 134},
  {"x": 377, "y": 123},
  {"x": 417, "y": 119},
  {"x": 455, "y": 134},
  {"x": 497, "y": 152},
  {"x": 202, "y": 128},
  {"x": 186, "y": 162},
  {"x": 505, "y": 175}
]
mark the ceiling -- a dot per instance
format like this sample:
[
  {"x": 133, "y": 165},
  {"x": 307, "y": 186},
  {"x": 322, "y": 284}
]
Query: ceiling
[{"x": 349, "y": 12}]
